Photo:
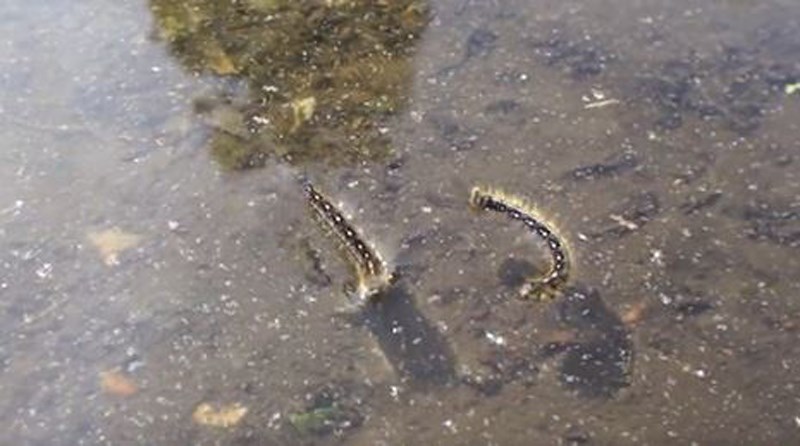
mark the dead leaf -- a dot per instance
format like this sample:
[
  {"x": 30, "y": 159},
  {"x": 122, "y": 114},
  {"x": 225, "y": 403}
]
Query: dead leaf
[
  {"x": 303, "y": 111},
  {"x": 226, "y": 416},
  {"x": 115, "y": 383},
  {"x": 111, "y": 242}
]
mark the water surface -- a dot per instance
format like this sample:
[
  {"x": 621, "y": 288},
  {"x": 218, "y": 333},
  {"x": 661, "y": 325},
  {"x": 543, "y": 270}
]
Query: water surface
[{"x": 157, "y": 255}]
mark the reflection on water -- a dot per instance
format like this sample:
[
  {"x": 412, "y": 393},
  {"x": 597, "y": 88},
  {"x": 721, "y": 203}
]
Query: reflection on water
[{"x": 322, "y": 77}]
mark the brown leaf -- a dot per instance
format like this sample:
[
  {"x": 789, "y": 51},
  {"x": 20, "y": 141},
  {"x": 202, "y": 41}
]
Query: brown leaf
[{"x": 115, "y": 383}]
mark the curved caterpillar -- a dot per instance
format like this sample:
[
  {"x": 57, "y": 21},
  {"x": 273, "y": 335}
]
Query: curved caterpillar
[
  {"x": 546, "y": 286},
  {"x": 372, "y": 273}
]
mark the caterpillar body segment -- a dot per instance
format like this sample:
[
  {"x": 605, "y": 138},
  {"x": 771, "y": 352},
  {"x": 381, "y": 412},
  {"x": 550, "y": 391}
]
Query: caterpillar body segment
[
  {"x": 372, "y": 272},
  {"x": 542, "y": 287}
]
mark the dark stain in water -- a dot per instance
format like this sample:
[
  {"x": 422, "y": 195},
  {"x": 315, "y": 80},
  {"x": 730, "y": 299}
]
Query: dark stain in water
[
  {"x": 736, "y": 86},
  {"x": 695, "y": 204},
  {"x": 456, "y": 136},
  {"x": 480, "y": 43},
  {"x": 771, "y": 222},
  {"x": 503, "y": 107},
  {"x": 598, "y": 363},
  {"x": 616, "y": 164},
  {"x": 414, "y": 347},
  {"x": 513, "y": 272},
  {"x": 579, "y": 58}
]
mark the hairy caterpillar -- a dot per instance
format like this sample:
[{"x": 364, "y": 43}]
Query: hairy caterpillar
[
  {"x": 547, "y": 285},
  {"x": 372, "y": 273}
]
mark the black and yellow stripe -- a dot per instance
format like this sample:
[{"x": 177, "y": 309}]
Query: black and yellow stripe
[
  {"x": 372, "y": 273},
  {"x": 547, "y": 285}
]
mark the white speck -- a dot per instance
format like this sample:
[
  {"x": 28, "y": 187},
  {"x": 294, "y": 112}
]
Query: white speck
[
  {"x": 582, "y": 237},
  {"x": 394, "y": 391},
  {"x": 269, "y": 88},
  {"x": 3, "y": 285},
  {"x": 686, "y": 232},
  {"x": 752, "y": 187},
  {"x": 426, "y": 209},
  {"x": 352, "y": 184},
  {"x": 700, "y": 373},
  {"x": 523, "y": 77},
  {"x": 797, "y": 421},
  {"x": 666, "y": 300},
  {"x": 15, "y": 208},
  {"x": 173, "y": 225},
  {"x": 495, "y": 339},
  {"x": 450, "y": 426},
  {"x": 622, "y": 221},
  {"x": 260, "y": 120},
  {"x": 657, "y": 257},
  {"x": 273, "y": 421},
  {"x": 155, "y": 69},
  {"x": 44, "y": 270}
]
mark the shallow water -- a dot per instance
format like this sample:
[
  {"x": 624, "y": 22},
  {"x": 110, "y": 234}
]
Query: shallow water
[{"x": 140, "y": 278}]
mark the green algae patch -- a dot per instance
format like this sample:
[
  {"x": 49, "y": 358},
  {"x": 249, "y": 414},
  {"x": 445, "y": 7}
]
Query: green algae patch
[
  {"x": 317, "y": 421},
  {"x": 323, "y": 76}
]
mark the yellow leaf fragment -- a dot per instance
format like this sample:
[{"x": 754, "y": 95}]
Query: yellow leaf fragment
[
  {"x": 115, "y": 383},
  {"x": 792, "y": 88},
  {"x": 111, "y": 242},
  {"x": 303, "y": 110},
  {"x": 226, "y": 416}
]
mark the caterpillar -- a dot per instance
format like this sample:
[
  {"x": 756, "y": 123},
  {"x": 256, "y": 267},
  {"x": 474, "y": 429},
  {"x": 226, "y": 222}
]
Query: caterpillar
[
  {"x": 547, "y": 285},
  {"x": 372, "y": 273}
]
